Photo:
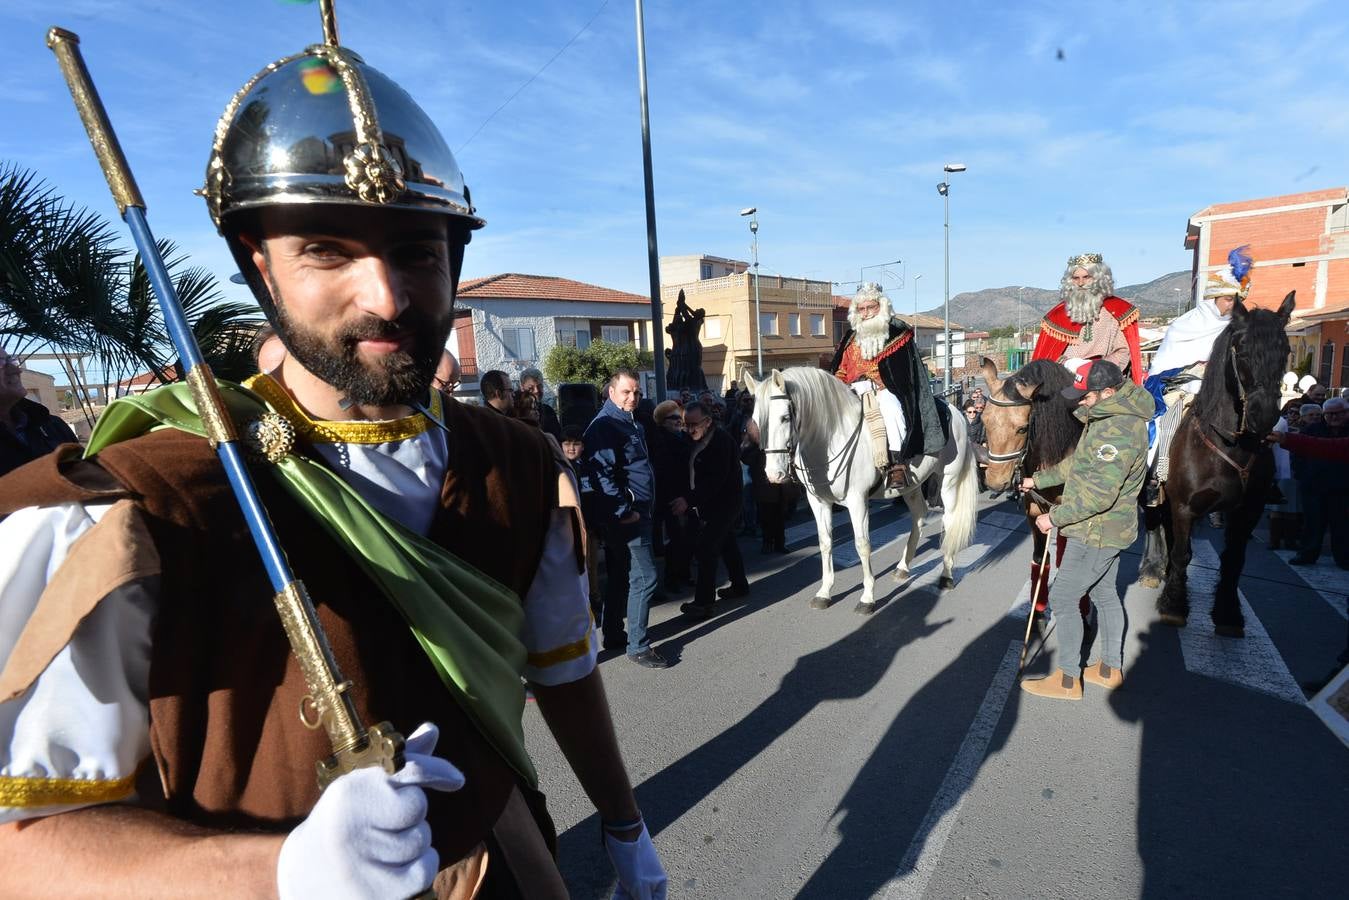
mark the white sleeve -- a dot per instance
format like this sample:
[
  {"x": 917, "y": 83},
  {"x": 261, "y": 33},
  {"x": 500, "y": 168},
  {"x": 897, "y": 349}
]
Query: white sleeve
[
  {"x": 76, "y": 736},
  {"x": 559, "y": 632}
]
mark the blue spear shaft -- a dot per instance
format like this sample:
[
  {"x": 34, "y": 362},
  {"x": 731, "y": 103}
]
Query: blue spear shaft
[{"x": 329, "y": 703}]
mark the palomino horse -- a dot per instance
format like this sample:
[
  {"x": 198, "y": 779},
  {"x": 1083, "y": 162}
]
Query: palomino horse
[
  {"x": 1220, "y": 461},
  {"x": 810, "y": 425},
  {"x": 1029, "y": 426}
]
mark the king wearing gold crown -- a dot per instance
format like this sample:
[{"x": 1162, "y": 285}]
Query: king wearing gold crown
[{"x": 1090, "y": 322}]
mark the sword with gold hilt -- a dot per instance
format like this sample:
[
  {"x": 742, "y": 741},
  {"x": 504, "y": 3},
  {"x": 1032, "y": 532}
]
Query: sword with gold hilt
[{"x": 328, "y": 704}]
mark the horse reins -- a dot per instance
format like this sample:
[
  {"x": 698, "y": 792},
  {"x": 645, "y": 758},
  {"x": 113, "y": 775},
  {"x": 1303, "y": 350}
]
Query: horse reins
[
  {"x": 790, "y": 448},
  {"x": 1243, "y": 471}
]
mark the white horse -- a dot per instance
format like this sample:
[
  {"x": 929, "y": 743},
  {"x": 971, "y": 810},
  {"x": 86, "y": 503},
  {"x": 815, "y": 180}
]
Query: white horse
[{"x": 810, "y": 423}]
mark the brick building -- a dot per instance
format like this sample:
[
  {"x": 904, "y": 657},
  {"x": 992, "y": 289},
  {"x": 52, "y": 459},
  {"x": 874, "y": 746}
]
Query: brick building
[{"x": 1300, "y": 243}]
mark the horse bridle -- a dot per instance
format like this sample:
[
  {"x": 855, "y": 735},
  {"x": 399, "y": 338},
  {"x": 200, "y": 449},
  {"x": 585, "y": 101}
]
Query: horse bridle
[
  {"x": 1025, "y": 445},
  {"x": 1243, "y": 471},
  {"x": 791, "y": 417},
  {"x": 790, "y": 449}
]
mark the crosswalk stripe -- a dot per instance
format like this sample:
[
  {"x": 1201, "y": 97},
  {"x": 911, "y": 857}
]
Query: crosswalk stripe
[{"x": 1253, "y": 661}]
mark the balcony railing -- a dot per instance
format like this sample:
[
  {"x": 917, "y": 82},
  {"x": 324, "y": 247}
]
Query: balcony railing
[{"x": 811, "y": 294}]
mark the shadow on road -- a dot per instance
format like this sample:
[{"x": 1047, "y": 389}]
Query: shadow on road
[
  {"x": 1276, "y": 794},
  {"x": 846, "y": 670}
]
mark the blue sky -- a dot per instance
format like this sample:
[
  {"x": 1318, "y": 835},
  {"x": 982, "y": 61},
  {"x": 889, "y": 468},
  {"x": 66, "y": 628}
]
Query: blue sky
[{"x": 833, "y": 118}]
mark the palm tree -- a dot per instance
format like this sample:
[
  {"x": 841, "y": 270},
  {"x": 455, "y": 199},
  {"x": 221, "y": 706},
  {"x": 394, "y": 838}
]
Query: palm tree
[{"x": 68, "y": 286}]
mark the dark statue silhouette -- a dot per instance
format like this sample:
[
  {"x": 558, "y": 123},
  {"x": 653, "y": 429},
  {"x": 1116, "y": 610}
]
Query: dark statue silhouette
[{"x": 684, "y": 359}]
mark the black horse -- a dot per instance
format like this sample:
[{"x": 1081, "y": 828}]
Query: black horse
[{"x": 1220, "y": 461}]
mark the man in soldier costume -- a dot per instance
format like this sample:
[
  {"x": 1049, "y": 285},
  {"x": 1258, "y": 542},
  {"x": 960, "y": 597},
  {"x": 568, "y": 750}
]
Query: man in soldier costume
[
  {"x": 1101, "y": 480},
  {"x": 1090, "y": 322},
  {"x": 878, "y": 359},
  {"x": 155, "y": 733}
]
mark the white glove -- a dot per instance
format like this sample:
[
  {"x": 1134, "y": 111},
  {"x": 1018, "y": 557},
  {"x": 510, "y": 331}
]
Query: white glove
[
  {"x": 367, "y": 836},
  {"x": 640, "y": 874}
]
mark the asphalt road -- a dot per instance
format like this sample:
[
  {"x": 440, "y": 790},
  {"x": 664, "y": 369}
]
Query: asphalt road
[{"x": 792, "y": 752}]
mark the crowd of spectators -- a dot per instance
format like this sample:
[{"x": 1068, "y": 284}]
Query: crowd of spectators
[
  {"x": 677, "y": 481},
  {"x": 1312, "y": 496}
]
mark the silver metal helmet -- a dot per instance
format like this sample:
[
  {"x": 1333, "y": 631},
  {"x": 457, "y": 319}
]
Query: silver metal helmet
[{"x": 322, "y": 126}]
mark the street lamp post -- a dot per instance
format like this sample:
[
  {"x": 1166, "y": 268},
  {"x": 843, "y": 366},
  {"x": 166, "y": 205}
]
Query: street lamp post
[
  {"x": 652, "y": 254},
  {"x": 915, "y": 300},
  {"x": 753, "y": 213},
  {"x": 945, "y": 190}
]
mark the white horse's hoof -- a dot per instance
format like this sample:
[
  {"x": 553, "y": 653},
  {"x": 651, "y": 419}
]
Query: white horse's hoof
[
  {"x": 819, "y": 602},
  {"x": 946, "y": 583},
  {"x": 864, "y": 609},
  {"x": 901, "y": 575}
]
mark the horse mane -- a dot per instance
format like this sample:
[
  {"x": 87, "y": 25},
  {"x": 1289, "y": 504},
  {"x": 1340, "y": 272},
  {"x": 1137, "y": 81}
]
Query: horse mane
[
  {"x": 1213, "y": 403},
  {"x": 1264, "y": 345},
  {"x": 1054, "y": 429},
  {"x": 823, "y": 403}
]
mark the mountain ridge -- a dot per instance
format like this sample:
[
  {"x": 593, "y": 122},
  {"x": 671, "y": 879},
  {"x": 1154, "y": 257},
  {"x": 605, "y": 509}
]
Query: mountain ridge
[{"x": 1023, "y": 306}]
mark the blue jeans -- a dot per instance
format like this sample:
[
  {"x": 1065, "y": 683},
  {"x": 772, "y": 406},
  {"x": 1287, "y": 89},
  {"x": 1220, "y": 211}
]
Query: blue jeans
[{"x": 631, "y": 570}]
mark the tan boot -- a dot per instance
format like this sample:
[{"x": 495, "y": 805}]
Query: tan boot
[
  {"x": 1059, "y": 685},
  {"x": 1103, "y": 676}
]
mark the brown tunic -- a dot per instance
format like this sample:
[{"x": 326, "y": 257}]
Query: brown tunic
[{"x": 224, "y": 689}]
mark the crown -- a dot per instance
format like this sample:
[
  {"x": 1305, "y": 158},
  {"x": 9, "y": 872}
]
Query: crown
[{"x": 1086, "y": 259}]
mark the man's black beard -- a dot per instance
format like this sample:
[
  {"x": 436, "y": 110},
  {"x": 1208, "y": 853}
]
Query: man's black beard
[
  {"x": 1083, "y": 304},
  {"x": 396, "y": 379}
]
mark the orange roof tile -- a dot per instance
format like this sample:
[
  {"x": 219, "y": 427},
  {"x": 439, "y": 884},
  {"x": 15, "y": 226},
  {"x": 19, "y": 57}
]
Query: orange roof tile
[{"x": 513, "y": 286}]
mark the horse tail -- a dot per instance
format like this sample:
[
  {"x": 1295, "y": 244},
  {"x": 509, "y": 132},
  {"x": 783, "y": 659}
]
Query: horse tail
[{"x": 958, "y": 523}]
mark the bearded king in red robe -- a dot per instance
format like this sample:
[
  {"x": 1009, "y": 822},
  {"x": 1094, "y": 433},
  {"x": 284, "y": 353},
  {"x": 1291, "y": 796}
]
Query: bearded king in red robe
[{"x": 1090, "y": 322}]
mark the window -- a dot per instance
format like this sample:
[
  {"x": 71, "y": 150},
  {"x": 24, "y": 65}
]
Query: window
[
  {"x": 768, "y": 323},
  {"x": 1327, "y": 363},
  {"x": 794, "y": 324},
  {"x": 615, "y": 334},
  {"x": 519, "y": 343},
  {"x": 840, "y": 326},
  {"x": 705, "y": 271},
  {"x": 1344, "y": 366},
  {"x": 817, "y": 325},
  {"x": 712, "y": 329},
  {"x": 567, "y": 338},
  {"x": 582, "y": 339}
]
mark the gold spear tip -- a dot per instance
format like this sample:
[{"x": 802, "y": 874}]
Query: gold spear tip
[{"x": 58, "y": 35}]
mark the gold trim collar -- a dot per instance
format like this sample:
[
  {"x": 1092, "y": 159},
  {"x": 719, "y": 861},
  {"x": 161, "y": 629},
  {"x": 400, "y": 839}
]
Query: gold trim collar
[{"x": 322, "y": 431}]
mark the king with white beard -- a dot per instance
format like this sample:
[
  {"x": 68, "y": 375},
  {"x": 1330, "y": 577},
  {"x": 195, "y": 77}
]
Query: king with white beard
[{"x": 877, "y": 356}]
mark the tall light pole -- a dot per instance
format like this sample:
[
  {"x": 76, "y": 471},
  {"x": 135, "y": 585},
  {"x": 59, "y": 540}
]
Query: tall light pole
[
  {"x": 945, "y": 190},
  {"x": 652, "y": 255},
  {"x": 1019, "y": 293},
  {"x": 753, "y": 213},
  {"x": 915, "y": 301}
]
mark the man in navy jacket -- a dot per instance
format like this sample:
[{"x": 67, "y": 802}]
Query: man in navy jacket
[{"x": 617, "y": 490}]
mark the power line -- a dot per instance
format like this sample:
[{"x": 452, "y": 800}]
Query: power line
[{"x": 534, "y": 76}]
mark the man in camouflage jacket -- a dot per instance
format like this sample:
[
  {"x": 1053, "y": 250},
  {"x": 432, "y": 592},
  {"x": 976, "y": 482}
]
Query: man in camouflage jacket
[{"x": 1101, "y": 481}]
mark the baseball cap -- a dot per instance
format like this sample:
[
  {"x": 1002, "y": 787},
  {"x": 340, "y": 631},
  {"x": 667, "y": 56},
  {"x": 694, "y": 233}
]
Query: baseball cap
[{"x": 1095, "y": 375}]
